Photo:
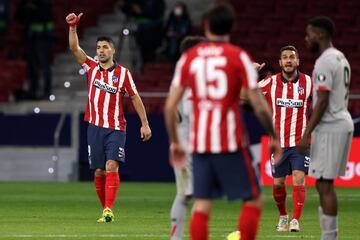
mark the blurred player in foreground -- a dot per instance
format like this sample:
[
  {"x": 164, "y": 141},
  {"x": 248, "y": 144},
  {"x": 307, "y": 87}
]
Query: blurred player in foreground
[
  {"x": 216, "y": 71},
  {"x": 330, "y": 125},
  {"x": 289, "y": 93},
  {"x": 183, "y": 177},
  {"x": 107, "y": 84}
]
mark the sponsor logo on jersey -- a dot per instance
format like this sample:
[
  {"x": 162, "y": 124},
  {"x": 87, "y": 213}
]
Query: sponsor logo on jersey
[
  {"x": 289, "y": 103},
  {"x": 301, "y": 90},
  {"x": 104, "y": 86}
]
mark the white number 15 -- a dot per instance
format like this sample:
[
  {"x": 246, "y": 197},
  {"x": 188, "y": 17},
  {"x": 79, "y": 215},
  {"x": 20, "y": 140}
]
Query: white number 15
[{"x": 211, "y": 80}]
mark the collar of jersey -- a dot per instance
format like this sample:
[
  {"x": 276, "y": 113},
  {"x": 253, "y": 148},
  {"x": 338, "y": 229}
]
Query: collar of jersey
[
  {"x": 286, "y": 81},
  {"x": 110, "y": 68}
]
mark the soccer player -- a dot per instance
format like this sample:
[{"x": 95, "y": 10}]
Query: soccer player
[
  {"x": 107, "y": 84},
  {"x": 216, "y": 71},
  {"x": 330, "y": 125},
  {"x": 288, "y": 93},
  {"x": 183, "y": 177}
]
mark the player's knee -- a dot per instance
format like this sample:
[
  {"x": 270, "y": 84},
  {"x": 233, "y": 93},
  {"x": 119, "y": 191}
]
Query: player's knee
[
  {"x": 324, "y": 186},
  {"x": 298, "y": 178},
  {"x": 279, "y": 183},
  {"x": 256, "y": 202},
  {"x": 112, "y": 166},
  {"x": 99, "y": 172}
]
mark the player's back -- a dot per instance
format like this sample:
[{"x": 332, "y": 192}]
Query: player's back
[
  {"x": 332, "y": 72},
  {"x": 216, "y": 71}
]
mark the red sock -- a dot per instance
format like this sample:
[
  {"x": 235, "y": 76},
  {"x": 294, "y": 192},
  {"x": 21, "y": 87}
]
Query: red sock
[
  {"x": 99, "y": 182},
  {"x": 111, "y": 188},
  {"x": 280, "y": 199},
  {"x": 299, "y": 195},
  {"x": 199, "y": 226},
  {"x": 249, "y": 221}
]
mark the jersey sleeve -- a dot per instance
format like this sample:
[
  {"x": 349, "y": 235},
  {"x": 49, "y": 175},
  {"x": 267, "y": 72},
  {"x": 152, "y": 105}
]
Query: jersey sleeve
[
  {"x": 180, "y": 74},
  {"x": 89, "y": 63},
  {"x": 248, "y": 74},
  {"x": 264, "y": 85},
  {"x": 323, "y": 75},
  {"x": 129, "y": 84}
]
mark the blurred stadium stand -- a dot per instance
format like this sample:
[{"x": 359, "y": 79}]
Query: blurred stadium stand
[{"x": 262, "y": 27}]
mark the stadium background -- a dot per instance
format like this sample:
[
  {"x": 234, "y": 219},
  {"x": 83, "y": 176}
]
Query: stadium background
[{"x": 46, "y": 140}]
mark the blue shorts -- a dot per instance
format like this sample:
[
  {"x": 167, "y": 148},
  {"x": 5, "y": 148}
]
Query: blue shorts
[
  {"x": 291, "y": 161},
  {"x": 105, "y": 144},
  {"x": 226, "y": 174}
]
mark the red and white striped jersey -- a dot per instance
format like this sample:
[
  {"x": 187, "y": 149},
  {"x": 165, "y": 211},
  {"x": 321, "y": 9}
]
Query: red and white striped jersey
[
  {"x": 106, "y": 90},
  {"x": 290, "y": 104},
  {"x": 215, "y": 72}
]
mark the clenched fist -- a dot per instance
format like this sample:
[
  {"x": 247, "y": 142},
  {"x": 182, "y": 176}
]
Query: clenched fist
[{"x": 72, "y": 19}]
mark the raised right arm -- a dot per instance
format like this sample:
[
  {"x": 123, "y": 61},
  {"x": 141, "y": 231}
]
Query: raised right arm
[{"x": 75, "y": 48}]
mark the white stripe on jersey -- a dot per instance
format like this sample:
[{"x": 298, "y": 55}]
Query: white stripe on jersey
[
  {"x": 273, "y": 97},
  {"x": 250, "y": 71},
  {"x": 93, "y": 73},
  {"x": 106, "y": 102},
  {"x": 96, "y": 102},
  {"x": 121, "y": 81},
  {"x": 201, "y": 137},
  {"x": 294, "y": 116},
  {"x": 87, "y": 67},
  {"x": 308, "y": 91},
  {"x": 177, "y": 75},
  {"x": 282, "y": 117},
  {"x": 231, "y": 134},
  {"x": 132, "y": 84},
  {"x": 264, "y": 82},
  {"x": 215, "y": 146}
]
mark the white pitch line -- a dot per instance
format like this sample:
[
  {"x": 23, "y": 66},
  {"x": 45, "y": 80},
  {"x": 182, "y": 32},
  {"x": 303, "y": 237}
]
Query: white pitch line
[{"x": 83, "y": 236}]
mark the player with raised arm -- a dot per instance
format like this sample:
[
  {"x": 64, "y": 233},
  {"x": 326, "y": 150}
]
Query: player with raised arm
[
  {"x": 183, "y": 177},
  {"x": 289, "y": 93},
  {"x": 216, "y": 71},
  {"x": 107, "y": 83},
  {"x": 330, "y": 125}
]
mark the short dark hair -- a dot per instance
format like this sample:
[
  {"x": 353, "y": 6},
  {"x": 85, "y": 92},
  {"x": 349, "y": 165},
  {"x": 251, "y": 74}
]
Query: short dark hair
[
  {"x": 106, "y": 39},
  {"x": 220, "y": 18},
  {"x": 324, "y": 23},
  {"x": 189, "y": 42},
  {"x": 290, "y": 48}
]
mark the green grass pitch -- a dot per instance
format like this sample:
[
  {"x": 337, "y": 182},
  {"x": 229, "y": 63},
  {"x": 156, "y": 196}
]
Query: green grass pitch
[{"x": 38, "y": 210}]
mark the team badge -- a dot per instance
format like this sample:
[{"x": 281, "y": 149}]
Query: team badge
[
  {"x": 321, "y": 78},
  {"x": 301, "y": 90},
  {"x": 114, "y": 78}
]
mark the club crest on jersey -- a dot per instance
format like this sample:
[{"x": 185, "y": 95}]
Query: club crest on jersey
[
  {"x": 301, "y": 90},
  {"x": 115, "y": 78},
  {"x": 104, "y": 86},
  {"x": 289, "y": 103}
]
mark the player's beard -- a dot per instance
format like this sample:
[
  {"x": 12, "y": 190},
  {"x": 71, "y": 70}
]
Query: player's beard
[
  {"x": 104, "y": 60},
  {"x": 289, "y": 72}
]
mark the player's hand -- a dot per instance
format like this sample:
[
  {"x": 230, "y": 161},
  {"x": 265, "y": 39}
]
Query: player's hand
[
  {"x": 258, "y": 66},
  {"x": 177, "y": 156},
  {"x": 275, "y": 149},
  {"x": 145, "y": 133},
  {"x": 72, "y": 19},
  {"x": 302, "y": 146}
]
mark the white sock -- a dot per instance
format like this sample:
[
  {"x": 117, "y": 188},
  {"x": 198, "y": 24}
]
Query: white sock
[
  {"x": 178, "y": 215},
  {"x": 328, "y": 225}
]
